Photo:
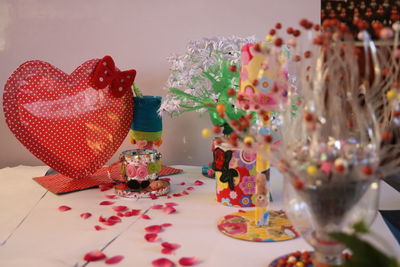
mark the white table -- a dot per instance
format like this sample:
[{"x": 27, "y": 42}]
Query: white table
[{"x": 51, "y": 238}]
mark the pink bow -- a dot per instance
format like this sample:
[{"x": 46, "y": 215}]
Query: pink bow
[{"x": 106, "y": 73}]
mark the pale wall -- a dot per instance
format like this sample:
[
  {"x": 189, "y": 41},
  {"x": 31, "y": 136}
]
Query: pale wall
[{"x": 138, "y": 34}]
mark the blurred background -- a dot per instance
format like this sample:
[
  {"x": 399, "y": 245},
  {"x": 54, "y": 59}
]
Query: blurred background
[{"x": 137, "y": 34}]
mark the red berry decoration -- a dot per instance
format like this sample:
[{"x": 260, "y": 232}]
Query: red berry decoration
[
  {"x": 308, "y": 117},
  {"x": 367, "y": 170},
  {"x": 272, "y": 32},
  {"x": 289, "y": 30},
  {"x": 231, "y": 92},
  {"x": 278, "y": 26},
  {"x": 268, "y": 139},
  {"x": 296, "y": 33},
  {"x": 278, "y": 42},
  {"x": 233, "y": 68},
  {"x": 307, "y": 54},
  {"x": 217, "y": 129}
]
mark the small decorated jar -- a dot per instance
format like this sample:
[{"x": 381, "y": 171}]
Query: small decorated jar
[{"x": 139, "y": 174}]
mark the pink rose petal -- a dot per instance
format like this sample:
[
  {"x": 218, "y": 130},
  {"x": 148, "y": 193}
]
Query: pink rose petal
[
  {"x": 99, "y": 228},
  {"x": 169, "y": 210},
  {"x": 166, "y": 179},
  {"x": 94, "y": 255},
  {"x": 167, "y": 251},
  {"x": 190, "y": 188},
  {"x": 170, "y": 246},
  {"x": 157, "y": 207},
  {"x": 114, "y": 260},
  {"x": 177, "y": 195},
  {"x": 120, "y": 208},
  {"x": 106, "y": 202},
  {"x": 152, "y": 237},
  {"x": 185, "y": 193},
  {"x": 145, "y": 217},
  {"x": 198, "y": 182},
  {"x": 135, "y": 212},
  {"x": 85, "y": 215},
  {"x": 162, "y": 262},
  {"x": 111, "y": 196},
  {"x": 171, "y": 204},
  {"x": 114, "y": 219},
  {"x": 183, "y": 183},
  {"x": 166, "y": 225},
  {"x": 153, "y": 229},
  {"x": 188, "y": 261},
  {"x": 105, "y": 187},
  {"x": 63, "y": 208}
]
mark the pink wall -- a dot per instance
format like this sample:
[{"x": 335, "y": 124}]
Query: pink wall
[{"x": 138, "y": 34}]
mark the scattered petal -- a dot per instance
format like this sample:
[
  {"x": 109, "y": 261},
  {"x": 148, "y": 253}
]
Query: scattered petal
[
  {"x": 162, "y": 262},
  {"x": 85, "y": 215},
  {"x": 166, "y": 225},
  {"x": 99, "y": 228},
  {"x": 145, "y": 217},
  {"x": 168, "y": 196},
  {"x": 128, "y": 214},
  {"x": 190, "y": 188},
  {"x": 188, "y": 261},
  {"x": 152, "y": 237},
  {"x": 169, "y": 210},
  {"x": 120, "y": 208},
  {"x": 135, "y": 212},
  {"x": 183, "y": 183},
  {"x": 111, "y": 196},
  {"x": 242, "y": 211},
  {"x": 170, "y": 246},
  {"x": 185, "y": 193},
  {"x": 177, "y": 195},
  {"x": 171, "y": 204},
  {"x": 153, "y": 229},
  {"x": 167, "y": 251},
  {"x": 102, "y": 219},
  {"x": 152, "y": 196},
  {"x": 157, "y": 207},
  {"x": 166, "y": 179},
  {"x": 198, "y": 182},
  {"x": 114, "y": 219},
  {"x": 105, "y": 187},
  {"x": 63, "y": 208},
  {"x": 106, "y": 202},
  {"x": 114, "y": 260},
  {"x": 120, "y": 214},
  {"x": 94, "y": 255}
]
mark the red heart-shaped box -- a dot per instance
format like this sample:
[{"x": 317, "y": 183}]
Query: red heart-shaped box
[{"x": 62, "y": 120}]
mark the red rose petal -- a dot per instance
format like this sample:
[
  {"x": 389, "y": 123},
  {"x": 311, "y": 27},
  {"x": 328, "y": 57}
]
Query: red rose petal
[
  {"x": 190, "y": 188},
  {"x": 152, "y": 196},
  {"x": 242, "y": 211},
  {"x": 135, "y": 212},
  {"x": 167, "y": 251},
  {"x": 114, "y": 260},
  {"x": 162, "y": 262},
  {"x": 105, "y": 187},
  {"x": 114, "y": 219},
  {"x": 170, "y": 246},
  {"x": 63, "y": 208},
  {"x": 153, "y": 229},
  {"x": 94, "y": 255},
  {"x": 152, "y": 237},
  {"x": 166, "y": 179},
  {"x": 102, "y": 219},
  {"x": 188, "y": 261},
  {"x": 166, "y": 225},
  {"x": 120, "y": 208},
  {"x": 128, "y": 214},
  {"x": 99, "y": 228},
  {"x": 169, "y": 210},
  {"x": 198, "y": 182},
  {"x": 145, "y": 217},
  {"x": 157, "y": 207},
  {"x": 183, "y": 183},
  {"x": 177, "y": 195},
  {"x": 171, "y": 204},
  {"x": 106, "y": 202},
  {"x": 120, "y": 214},
  {"x": 111, "y": 196},
  {"x": 168, "y": 196},
  {"x": 85, "y": 215},
  {"x": 185, "y": 193}
]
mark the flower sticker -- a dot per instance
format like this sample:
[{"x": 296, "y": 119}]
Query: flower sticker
[
  {"x": 248, "y": 185},
  {"x": 265, "y": 84},
  {"x": 245, "y": 201},
  {"x": 233, "y": 195},
  {"x": 226, "y": 201}
]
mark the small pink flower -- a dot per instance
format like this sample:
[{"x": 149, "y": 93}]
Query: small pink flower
[
  {"x": 248, "y": 185},
  {"x": 131, "y": 170},
  {"x": 141, "y": 172}
]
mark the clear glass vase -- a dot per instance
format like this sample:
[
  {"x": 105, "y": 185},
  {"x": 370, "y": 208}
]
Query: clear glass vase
[{"x": 318, "y": 209}]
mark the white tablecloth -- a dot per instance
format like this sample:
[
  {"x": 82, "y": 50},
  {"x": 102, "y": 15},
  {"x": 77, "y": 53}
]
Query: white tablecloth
[{"x": 49, "y": 237}]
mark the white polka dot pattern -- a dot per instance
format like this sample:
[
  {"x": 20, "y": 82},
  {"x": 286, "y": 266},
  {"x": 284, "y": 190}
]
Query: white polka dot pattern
[{"x": 62, "y": 120}]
